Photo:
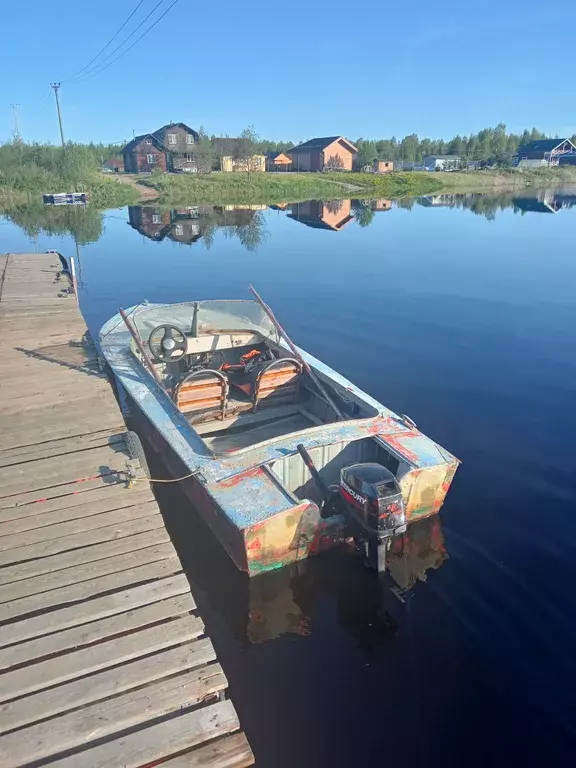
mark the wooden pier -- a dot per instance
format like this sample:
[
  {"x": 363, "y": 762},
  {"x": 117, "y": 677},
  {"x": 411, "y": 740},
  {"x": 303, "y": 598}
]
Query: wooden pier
[{"x": 103, "y": 656}]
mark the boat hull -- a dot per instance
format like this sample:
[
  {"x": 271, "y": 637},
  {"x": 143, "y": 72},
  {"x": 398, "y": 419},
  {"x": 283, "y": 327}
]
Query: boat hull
[{"x": 291, "y": 535}]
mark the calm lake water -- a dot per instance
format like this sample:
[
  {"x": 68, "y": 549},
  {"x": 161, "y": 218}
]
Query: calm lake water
[{"x": 459, "y": 311}]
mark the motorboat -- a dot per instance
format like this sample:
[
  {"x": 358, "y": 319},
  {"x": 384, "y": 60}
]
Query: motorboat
[{"x": 281, "y": 455}]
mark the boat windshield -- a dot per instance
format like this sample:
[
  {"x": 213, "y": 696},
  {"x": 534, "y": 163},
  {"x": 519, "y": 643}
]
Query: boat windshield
[{"x": 214, "y": 317}]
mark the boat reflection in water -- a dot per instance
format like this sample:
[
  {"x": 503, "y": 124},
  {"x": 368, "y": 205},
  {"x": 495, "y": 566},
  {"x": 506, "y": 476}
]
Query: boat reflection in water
[
  {"x": 291, "y": 600},
  {"x": 287, "y": 600}
]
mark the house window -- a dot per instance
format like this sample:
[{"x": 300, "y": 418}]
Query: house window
[
  {"x": 171, "y": 138},
  {"x": 189, "y": 138},
  {"x": 179, "y": 229},
  {"x": 156, "y": 218},
  {"x": 148, "y": 141},
  {"x": 150, "y": 159},
  {"x": 188, "y": 157}
]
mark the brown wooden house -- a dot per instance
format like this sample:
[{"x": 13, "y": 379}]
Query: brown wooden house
[
  {"x": 144, "y": 154},
  {"x": 170, "y": 148},
  {"x": 326, "y": 153}
]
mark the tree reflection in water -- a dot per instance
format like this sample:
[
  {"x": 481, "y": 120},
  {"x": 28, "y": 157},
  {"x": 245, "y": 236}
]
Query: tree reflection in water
[
  {"x": 82, "y": 222},
  {"x": 247, "y": 223}
]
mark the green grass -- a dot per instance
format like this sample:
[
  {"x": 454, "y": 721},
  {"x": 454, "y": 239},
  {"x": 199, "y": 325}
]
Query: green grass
[
  {"x": 103, "y": 193},
  {"x": 266, "y": 188},
  {"x": 507, "y": 178},
  {"x": 390, "y": 185},
  {"x": 29, "y": 170}
]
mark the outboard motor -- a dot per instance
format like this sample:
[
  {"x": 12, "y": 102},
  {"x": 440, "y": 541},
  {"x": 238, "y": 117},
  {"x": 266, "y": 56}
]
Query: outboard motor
[
  {"x": 371, "y": 500},
  {"x": 374, "y": 508}
]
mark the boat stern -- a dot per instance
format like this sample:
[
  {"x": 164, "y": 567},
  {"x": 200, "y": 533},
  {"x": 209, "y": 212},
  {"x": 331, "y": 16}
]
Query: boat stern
[{"x": 275, "y": 528}]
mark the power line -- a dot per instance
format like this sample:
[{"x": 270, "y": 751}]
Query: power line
[
  {"x": 47, "y": 98},
  {"x": 146, "y": 31},
  {"x": 114, "y": 36},
  {"x": 98, "y": 68}
]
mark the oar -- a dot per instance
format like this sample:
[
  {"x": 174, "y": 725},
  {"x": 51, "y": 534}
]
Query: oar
[{"x": 295, "y": 351}]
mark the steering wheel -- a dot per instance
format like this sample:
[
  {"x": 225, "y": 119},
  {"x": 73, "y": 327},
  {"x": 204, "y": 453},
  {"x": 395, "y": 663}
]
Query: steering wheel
[{"x": 167, "y": 343}]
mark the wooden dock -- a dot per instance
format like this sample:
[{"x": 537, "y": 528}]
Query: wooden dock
[{"x": 103, "y": 657}]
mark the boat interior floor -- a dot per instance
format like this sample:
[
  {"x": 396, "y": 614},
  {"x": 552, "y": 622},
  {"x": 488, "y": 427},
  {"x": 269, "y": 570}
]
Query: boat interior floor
[{"x": 248, "y": 429}]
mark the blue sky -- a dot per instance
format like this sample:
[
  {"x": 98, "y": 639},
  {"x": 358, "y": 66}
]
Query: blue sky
[{"x": 292, "y": 71}]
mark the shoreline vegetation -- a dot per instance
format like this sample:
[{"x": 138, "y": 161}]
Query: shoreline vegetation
[
  {"x": 29, "y": 170},
  {"x": 270, "y": 188},
  {"x": 274, "y": 188}
]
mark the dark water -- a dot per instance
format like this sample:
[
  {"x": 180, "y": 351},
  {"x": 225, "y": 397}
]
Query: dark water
[{"x": 459, "y": 311}]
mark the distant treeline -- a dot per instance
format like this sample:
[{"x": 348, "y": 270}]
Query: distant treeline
[
  {"x": 491, "y": 145},
  {"x": 494, "y": 145}
]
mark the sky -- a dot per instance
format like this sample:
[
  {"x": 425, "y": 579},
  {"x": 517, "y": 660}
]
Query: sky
[{"x": 292, "y": 71}]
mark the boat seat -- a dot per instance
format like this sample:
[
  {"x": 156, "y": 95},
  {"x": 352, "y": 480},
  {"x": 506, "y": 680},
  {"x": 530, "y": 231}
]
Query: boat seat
[
  {"x": 203, "y": 394},
  {"x": 277, "y": 383},
  {"x": 275, "y": 378}
]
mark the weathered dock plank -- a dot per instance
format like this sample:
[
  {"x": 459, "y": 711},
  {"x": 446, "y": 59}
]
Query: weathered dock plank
[
  {"x": 91, "y": 588},
  {"x": 171, "y": 736},
  {"x": 87, "y": 634},
  {"x": 105, "y": 684},
  {"x": 108, "y": 717},
  {"x": 84, "y": 555}
]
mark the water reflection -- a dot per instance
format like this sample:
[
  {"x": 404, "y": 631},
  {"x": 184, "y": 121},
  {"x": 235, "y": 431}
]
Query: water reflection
[
  {"x": 181, "y": 225},
  {"x": 247, "y": 223},
  {"x": 287, "y": 601},
  {"x": 539, "y": 201},
  {"x": 83, "y": 222},
  {"x": 323, "y": 214},
  {"x": 187, "y": 225}
]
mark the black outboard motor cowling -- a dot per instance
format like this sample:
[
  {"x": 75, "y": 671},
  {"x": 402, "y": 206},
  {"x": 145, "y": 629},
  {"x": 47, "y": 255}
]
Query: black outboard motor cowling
[{"x": 374, "y": 508}]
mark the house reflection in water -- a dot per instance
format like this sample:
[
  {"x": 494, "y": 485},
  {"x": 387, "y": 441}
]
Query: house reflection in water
[
  {"x": 539, "y": 201},
  {"x": 181, "y": 225},
  {"x": 189, "y": 224},
  {"x": 546, "y": 201},
  {"x": 438, "y": 201},
  {"x": 323, "y": 214},
  {"x": 380, "y": 205}
]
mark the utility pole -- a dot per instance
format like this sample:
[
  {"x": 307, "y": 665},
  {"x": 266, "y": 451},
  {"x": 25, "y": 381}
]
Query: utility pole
[
  {"x": 55, "y": 87},
  {"x": 17, "y": 137}
]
